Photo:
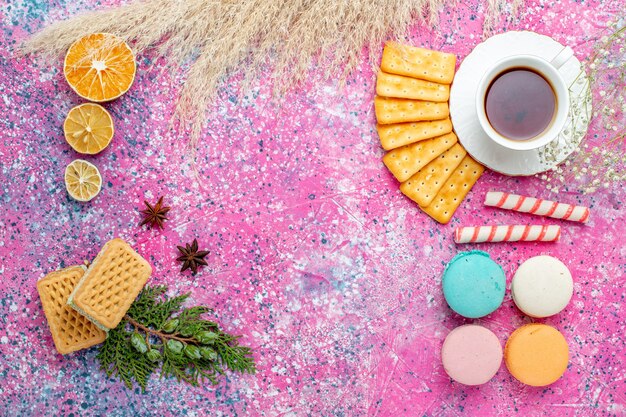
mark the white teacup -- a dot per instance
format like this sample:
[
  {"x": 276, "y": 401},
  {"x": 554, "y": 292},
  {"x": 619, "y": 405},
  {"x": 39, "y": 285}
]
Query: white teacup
[{"x": 549, "y": 71}]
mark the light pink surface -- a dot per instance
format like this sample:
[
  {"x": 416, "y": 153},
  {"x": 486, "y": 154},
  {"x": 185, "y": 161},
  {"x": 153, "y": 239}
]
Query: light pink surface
[{"x": 317, "y": 259}]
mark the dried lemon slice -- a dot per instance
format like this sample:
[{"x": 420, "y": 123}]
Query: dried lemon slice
[
  {"x": 88, "y": 128},
  {"x": 82, "y": 180},
  {"x": 100, "y": 67}
]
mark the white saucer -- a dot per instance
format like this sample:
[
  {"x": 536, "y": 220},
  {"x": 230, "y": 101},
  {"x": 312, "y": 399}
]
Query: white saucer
[{"x": 465, "y": 119}]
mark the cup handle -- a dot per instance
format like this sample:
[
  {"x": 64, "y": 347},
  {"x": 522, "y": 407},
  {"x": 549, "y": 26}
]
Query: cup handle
[{"x": 562, "y": 57}]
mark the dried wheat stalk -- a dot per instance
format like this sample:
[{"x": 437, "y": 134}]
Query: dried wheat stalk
[{"x": 222, "y": 36}]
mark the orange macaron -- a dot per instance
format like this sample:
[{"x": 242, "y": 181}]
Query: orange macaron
[{"x": 536, "y": 354}]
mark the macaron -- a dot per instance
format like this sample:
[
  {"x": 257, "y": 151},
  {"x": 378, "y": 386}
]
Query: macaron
[
  {"x": 542, "y": 286},
  {"x": 471, "y": 354},
  {"x": 536, "y": 354},
  {"x": 473, "y": 284}
]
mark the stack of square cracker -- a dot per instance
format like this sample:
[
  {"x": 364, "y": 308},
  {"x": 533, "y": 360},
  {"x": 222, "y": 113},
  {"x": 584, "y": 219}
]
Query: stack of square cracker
[
  {"x": 413, "y": 88},
  {"x": 82, "y": 304}
]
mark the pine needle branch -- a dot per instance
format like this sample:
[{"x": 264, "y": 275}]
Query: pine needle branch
[{"x": 158, "y": 331}]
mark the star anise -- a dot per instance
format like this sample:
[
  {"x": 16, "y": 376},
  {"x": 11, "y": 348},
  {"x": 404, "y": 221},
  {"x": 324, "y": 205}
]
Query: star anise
[
  {"x": 191, "y": 257},
  {"x": 154, "y": 215}
]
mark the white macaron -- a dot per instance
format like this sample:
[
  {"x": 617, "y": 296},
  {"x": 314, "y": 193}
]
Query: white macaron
[{"x": 542, "y": 286}]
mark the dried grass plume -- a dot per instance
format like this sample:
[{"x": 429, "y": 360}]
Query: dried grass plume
[{"x": 220, "y": 35}]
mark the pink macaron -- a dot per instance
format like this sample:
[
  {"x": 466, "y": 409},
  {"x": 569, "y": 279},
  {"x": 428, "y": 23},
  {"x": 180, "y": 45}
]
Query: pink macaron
[{"x": 471, "y": 354}]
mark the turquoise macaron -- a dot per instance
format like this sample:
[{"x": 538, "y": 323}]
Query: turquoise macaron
[{"x": 473, "y": 284}]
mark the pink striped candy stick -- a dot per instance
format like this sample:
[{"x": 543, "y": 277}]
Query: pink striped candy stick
[
  {"x": 537, "y": 206},
  {"x": 493, "y": 233}
]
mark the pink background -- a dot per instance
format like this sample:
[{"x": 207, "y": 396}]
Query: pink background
[{"x": 316, "y": 258}]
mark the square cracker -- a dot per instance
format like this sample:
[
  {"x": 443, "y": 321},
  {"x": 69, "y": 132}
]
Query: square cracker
[
  {"x": 424, "y": 185},
  {"x": 70, "y": 330},
  {"x": 407, "y": 160},
  {"x": 400, "y": 134},
  {"x": 421, "y": 63},
  {"x": 398, "y": 110},
  {"x": 111, "y": 284},
  {"x": 393, "y": 85},
  {"x": 449, "y": 198}
]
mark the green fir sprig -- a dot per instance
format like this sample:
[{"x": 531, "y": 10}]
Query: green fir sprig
[{"x": 158, "y": 332}]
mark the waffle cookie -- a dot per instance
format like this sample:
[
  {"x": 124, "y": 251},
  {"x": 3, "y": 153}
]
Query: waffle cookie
[
  {"x": 111, "y": 284},
  {"x": 70, "y": 330}
]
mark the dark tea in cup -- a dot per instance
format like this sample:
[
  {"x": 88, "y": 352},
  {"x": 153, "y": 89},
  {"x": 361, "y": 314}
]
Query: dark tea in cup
[{"x": 520, "y": 104}]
